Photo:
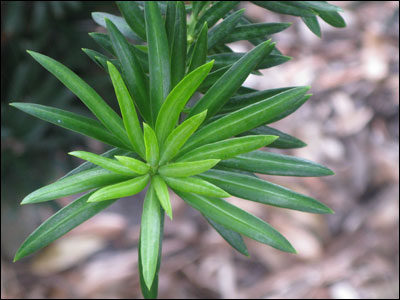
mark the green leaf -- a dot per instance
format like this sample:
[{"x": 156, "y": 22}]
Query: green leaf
[
  {"x": 84, "y": 92},
  {"x": 223, "y": 29},
  {"x": 285, "y": 141},
  {"x": 133, "y": 15},
  {"x": 276, "y": 164},
  {"x": 71, "y": 121},
  {"x": 159, "y": 64},
  {"x": 319, "y": 5},
  {"x": 161, "y": 189},
  {"x": 120, "y": 23},
  {"x": 176, "y": 100},
  {"x": 59, "y": 224},
  {"x": 179, "y": 136},
  {"x": 185, "y": 169},
  {"x": 103, "y": 40},
  {"x": 237, "y": 220},
  {"x": 198, "y": 6},
  {"x": 106, "y": 163},
  {"x": 244, "y": 119},
  {"x": 150, "y": 236},
  {"x": 332, "y": 18},
  {"x": 195, "y": 185},
  {"x": 199, "y": 54},
  {"x": 285, "y": 7},
  {"x": 228, "y": 84},
  {"x": 233, "y": 238},
  {"x": 93, "y": 54},
  {"x": 217, "y": 11},
  {"x": 74, "y": 184},
  {"x": 255, "y": 189},
  {"x": 136, "y": 80},
  {"x": 251, "y": 31},
  {"x": 313, "y": 25},
  {"x": 122, "y": 189},
  {"x": 135, "y": 165},
  {"x": 151, "y": 145},
  {"x": 228, "y": 148},
  {"x": 128, "y": 111}
]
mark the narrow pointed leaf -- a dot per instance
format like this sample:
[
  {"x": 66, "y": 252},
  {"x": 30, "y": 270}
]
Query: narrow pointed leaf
[
  {"x": 285, "y": 141},
  {"x": 217, "y": 11},
  {"x": 60, "y": 223},
  {"x": 197, "y": 6},
  {"x": 103, "y": 40},
  {"x": 313, "y": 25},
  {"x": 71, "y": 121},
  {"x": 133, "y": 16},
  {"x": 77, "y": 183},
  {"x": 251, "y": 31},
  {"x": 195, "y": 185},
  {"x": 185, "y": 169},
  {"x": 255, "y": 189},
  {"x": 159, "y": 64},
  {"x": 176, "y": 100},
  {"x": 122, "y": 189},
  {"x": 284, "y": 7},
  {"x": 199, "y": 54},
  {"x": 93, "y": 54},
  {"x": 245, "y": 119},
  {"x": 133, "y": 74},
  {"x": 228, "y": 148},
  {"x": 237, "y": 220},
  {"x": 228, "y": 84},
  {"x": 179, "y": 136},
  {"x": 151, "y": 145},
  {"x": 319, "y": 5},
  {"x": 223, "y": 29},
  {"x": 128, "y": 111},
  {"x": 276, "y": 164},
  {"x": 104, "y": 162},
  {"x": 135, "y": 165},
  {"x": 233, "y": 238},
  {"x": 150, "y": 236},
  {"x": 84, "y": 92},
  {"x": 120, "y": 23},
  {"x": 162, "y": 193},
  {"x": 332, "y": 18}
]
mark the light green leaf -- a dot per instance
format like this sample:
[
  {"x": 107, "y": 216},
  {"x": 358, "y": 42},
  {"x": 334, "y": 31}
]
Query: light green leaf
[
  {"x": 237, "y": 220},
  {"x": 151, "y": 145},
  {"x": 185, "y": 169},
  {"x": 128, "y": 111},
  {"x": 59, "y": 224},
  {"x": 123, "y": 189},
  {"x": 161, "y": 189},
  {"x": 255, "y": 189},
  {"x": 195, "y": 185},
  {"x": 176, "y": 100},
  {"x": 135, "y": 165},
  {"x": 228, "y": 148},
  {"x": 179, "y": 136}
]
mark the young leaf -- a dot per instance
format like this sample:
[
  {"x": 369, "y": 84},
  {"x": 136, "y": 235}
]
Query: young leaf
[
  {"x": 237, "y": 220},
  {"x": 74, "y": 184},
  {"x": 123, "y": 189},
  {"x": 228, "y": 84},
  {"x": 135, "y": 165},
  {"x": 106, "y": 163},
  {"x": 245, "y": 119},
  {"x": 162, "y": 193},
  {"x": 59, "y": 224},
  {"x": 133, "y": 15},
  {"x": 276, "y": 164},
  {"x": 199, "y": 53},
  {"x": 251, "y": 31},
  {"x": 128, "y": 111},
  {"x": 150, "y": 236},
  {"x": 195, "y": 185},
  {"x": 84, "y": 92},
  {"x": 179, "y": 136},
  {"x": 71, "y": 121},
  {"x": 135, "y": 78},
  {"x": 159, "y": 64},
  {"x": 233, "y": 238},
  {"x": 151, "y": 145},
  {"x": 228, "y": 148},
  {"x": 176, "y": 100},
  {"x": 255, "y": 189},
  {"x": 185, "y": 169}
]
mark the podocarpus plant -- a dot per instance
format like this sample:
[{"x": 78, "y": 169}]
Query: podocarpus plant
[{"x": 159, "y": 56}]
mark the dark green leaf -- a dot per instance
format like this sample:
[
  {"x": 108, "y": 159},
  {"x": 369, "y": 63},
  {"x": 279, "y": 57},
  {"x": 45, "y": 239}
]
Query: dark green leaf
[
  {"x": 199, "y": 53},
  {"x": 133, "y": 15},
  {"x": 313, "y": 25},
  {"x": 217, "y": 11},
  {"x": 120, "y": 23},
  {"x": 251, "y": 31},
  {"x": 103, "y": 40},
  {"x": 285, "y": 7},
  {"x": 332, "y": 18}
]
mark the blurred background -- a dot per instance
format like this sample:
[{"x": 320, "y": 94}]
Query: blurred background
[{"x": 351, "y": 125}]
